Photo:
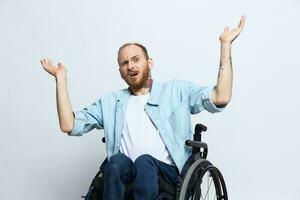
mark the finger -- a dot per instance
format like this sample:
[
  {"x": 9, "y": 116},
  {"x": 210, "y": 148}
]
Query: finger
[
  {"x": 43, "y": 62},
  {"x": 226, "y": 29},
  {"x": 50, "y": 62},
  {"x": 61, "y": 65},
  {"x": 242, "y": 22}
]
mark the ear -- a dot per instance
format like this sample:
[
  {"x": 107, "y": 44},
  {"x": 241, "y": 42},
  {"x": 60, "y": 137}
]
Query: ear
[
  {"x": 120, "y": 73},
  {"x": 150, "y": 63}
]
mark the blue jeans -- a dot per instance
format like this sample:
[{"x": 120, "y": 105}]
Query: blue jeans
[{"x": 143, "y": 173}]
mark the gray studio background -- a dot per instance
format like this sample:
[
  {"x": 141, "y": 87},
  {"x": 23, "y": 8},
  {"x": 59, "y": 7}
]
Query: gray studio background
[{"x": 255, "y": 141}]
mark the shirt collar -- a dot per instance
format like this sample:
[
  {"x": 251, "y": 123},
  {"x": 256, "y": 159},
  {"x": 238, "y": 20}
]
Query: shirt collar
[{"x": 154, "y": 94}]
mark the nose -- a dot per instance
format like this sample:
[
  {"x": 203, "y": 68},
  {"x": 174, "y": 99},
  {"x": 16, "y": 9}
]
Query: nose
[{"x": 130, "y": 65}]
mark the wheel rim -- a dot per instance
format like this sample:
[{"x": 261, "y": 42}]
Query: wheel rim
[
  {"x": 204, "y": 182},
  {"x": 205, "y": 188}
]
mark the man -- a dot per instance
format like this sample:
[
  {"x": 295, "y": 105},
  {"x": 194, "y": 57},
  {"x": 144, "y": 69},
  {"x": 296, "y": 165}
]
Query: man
[{"x": 146, "y": 125}]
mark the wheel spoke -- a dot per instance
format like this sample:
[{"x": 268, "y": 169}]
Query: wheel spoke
[
  {"x": 207, "y": 193},
  {"x": 208, "y": 184}
]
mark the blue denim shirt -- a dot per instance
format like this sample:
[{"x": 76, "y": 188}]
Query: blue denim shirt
[{"x": 169, "y": 107}]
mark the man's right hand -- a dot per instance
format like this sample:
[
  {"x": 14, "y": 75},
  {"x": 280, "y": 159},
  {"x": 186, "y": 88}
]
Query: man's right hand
[{"x": 52, "y": 69}]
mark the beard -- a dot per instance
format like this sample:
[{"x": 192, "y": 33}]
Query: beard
[{"x": 139, "y": 83}]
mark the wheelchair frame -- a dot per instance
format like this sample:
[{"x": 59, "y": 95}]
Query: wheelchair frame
[{"x": 191, "y": 177}]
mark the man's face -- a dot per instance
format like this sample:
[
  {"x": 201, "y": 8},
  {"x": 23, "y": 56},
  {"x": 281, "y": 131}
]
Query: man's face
[{"x": 134, "y": 68}]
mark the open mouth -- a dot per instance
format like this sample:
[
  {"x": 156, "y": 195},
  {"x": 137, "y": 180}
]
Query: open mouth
[{"x": 133, "y": 74}]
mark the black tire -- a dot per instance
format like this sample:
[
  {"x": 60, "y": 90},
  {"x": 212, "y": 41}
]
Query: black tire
[{"x": 194, "y": 183}]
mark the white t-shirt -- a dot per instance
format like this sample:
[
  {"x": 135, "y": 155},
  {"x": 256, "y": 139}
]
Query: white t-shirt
[{"x": 140, "y": 136}]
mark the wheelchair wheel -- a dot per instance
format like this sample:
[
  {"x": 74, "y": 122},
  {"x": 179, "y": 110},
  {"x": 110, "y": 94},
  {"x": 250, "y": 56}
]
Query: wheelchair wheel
[{"x": 203, "y": 181}]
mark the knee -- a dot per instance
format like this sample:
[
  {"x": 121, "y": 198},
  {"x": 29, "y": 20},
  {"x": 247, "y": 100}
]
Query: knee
[
  {"x": 115, "y": 163},
  {"x": 143, "y": 161},
  {"x": 117, "y": 158}
]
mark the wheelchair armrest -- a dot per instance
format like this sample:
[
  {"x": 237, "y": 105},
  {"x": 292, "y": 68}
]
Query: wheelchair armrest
[
  {"x": 196, "y": 144},
  {"x": 199, "y": 148}
]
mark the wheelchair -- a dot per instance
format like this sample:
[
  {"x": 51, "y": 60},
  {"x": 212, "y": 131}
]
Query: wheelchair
[{"x": 199, "y": 179}]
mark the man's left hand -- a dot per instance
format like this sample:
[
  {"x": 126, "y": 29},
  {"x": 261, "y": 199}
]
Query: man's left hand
[{"x": 228, "y": 36}]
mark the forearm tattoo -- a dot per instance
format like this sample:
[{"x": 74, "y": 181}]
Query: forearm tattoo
[{"x": 222, "y": 63}]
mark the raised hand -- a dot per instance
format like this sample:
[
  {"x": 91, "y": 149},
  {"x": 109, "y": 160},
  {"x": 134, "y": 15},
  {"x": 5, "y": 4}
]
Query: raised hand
[
  {"x": 228, "y": 36},
  {"x": 52, "y": 69},
  {"x": 64, "y": 108}
]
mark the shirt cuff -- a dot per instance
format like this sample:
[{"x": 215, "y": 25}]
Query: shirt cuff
[
  {"x": 207, "y": 101},
  {"x": 79, "y": 123}
]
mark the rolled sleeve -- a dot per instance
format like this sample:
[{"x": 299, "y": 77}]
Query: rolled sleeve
[
  {"x": 87, "y": 119},
  {"x": 200, "y": 98},
  {"x": 207, "y": 100}
]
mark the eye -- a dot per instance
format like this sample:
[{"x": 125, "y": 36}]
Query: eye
[
  {"x": 135, "y": 59},
  {"x": 124, "y": 63}
]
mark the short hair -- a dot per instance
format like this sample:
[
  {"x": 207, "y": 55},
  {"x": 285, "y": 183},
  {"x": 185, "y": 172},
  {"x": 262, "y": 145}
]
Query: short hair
[{"x": 136, "y": 44}]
